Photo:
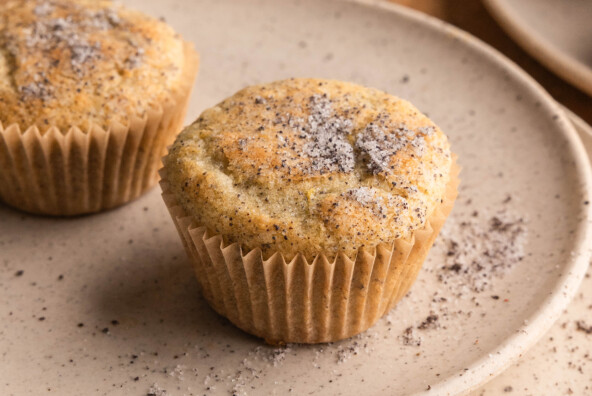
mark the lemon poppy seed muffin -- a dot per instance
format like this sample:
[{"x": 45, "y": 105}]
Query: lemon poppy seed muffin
[
  {"x": 310, "y": 166},
  {"x": 91, "y": 94},
  {"x": 67, "y": 63},
  {"x": 308, "y": 206}
]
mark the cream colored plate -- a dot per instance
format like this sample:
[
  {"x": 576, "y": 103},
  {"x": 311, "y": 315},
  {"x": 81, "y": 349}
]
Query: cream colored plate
[
  {"x": 567, "y": 346},
  {"x": 122, "y": 314},
  {"x": 556, "y": 32}
]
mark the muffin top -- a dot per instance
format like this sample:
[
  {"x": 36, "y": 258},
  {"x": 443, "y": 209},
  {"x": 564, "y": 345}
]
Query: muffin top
[
  {"x": 310, "y": 166},
  {"x": 69, "y": 63}
]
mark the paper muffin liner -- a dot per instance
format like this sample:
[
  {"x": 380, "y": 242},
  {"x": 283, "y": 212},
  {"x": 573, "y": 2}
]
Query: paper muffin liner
[
  {"x": 77, "y": 172},
  {"x": 302, "y": 302}
]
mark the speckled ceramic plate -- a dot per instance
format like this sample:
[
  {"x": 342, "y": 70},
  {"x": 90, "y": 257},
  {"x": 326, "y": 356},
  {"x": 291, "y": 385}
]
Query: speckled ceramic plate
[
  {"x": 568, "y": 345},
  {"x": 108, "y": 304},
  {"x": 556, "y": 32}
]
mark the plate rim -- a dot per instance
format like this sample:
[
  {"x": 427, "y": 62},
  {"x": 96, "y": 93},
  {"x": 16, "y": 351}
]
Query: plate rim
[
  {"x": 566, "y": 286},
  {"x": 583, "y": 128},
  {"x": 568, "y": 68}
]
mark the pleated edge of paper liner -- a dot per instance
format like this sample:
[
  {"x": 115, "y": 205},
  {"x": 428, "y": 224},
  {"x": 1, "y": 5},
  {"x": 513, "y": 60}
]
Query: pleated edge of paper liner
[
  {"x": 74, "y": 172},
  {"x": 337, "y": 300}
]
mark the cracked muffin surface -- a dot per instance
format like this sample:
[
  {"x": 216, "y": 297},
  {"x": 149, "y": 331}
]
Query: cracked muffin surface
[
  {"x": 310, "y": 166},
  {"x": 69, "y": 63}
]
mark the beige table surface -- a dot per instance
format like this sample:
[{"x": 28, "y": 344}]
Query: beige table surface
[{"x": 561, "y": 363}]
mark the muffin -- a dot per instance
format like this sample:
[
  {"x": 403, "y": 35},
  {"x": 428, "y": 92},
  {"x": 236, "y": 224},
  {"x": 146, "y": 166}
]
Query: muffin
[
  {"x": 308, "y": 206},
  {"x": 91, "y": 94}
]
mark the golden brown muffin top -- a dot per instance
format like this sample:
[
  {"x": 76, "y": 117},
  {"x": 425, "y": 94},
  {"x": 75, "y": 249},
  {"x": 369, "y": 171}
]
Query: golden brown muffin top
[
  {"x": 66, "y": 63},
  {"x": 310, "y": 166}
]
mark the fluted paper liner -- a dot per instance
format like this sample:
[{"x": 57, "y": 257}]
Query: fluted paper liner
[
  {"x": 78, "y": 172},
  {"x": 301, "y": 302}
]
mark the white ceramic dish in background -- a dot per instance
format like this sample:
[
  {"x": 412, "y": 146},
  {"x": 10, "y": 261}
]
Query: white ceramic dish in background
[
  {"x": 566, "y": 345},
  {"x": 556, "y": 32},
  {"x": 125, "y": 278}
]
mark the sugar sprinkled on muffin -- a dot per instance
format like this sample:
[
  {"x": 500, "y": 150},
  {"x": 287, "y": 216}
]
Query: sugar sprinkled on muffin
[
  {"x": 309, "y": 166},
  {"x": 68, "y": 63}
]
